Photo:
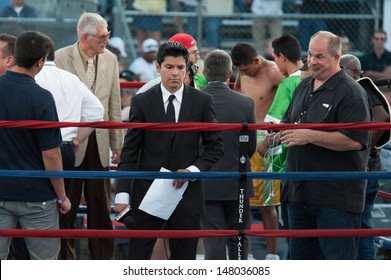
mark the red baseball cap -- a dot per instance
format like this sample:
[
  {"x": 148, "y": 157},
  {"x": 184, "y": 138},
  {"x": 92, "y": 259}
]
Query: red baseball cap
[{"x": 185, "y": 39}]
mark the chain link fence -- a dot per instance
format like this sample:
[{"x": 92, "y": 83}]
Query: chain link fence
[
  {"x": 223, "y": 23},
  {"x": 214, "y": 23}
]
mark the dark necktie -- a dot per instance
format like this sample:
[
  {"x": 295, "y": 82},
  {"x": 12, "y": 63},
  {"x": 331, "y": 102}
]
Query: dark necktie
[{"x": 170, "y": 114}]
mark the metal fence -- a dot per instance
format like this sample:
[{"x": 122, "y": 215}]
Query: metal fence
[
  {"x": 354, "y": 20},
  {"x": 221, "y": 25}
]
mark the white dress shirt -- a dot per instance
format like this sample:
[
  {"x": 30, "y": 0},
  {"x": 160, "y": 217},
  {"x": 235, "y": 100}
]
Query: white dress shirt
[
  {"x": 176, "y": 102},
  {"x": 74, "y": 101}
]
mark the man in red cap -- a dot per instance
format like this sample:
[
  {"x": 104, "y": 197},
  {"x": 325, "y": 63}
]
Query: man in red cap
[{"x": 199, "y": 81}]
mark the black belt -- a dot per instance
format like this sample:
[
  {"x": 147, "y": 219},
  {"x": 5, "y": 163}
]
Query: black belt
[{"x": 63, "y": 143}]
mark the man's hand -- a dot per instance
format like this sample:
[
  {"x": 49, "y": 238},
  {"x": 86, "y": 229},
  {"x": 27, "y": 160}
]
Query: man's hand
[
  {"x": 178, "y": 183},
  {"x": 116, "y": 154},
  {"x": 118, "y": 208},
  {"x": 296, "y": 137},
  {"x": 262, "y": 148},
  {"x": 76, "y": 144},
  {"x": 65, "y": 206}
]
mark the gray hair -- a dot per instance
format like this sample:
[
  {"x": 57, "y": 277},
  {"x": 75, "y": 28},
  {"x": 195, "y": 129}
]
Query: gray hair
[
  {"x": 217, "y": 66},
  {"x": 88, "y": 23}
]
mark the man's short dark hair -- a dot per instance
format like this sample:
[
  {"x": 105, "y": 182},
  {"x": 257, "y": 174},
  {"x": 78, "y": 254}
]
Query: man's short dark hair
[
  {"x": 174, "y": 49},
  {"x": 289, "y": 46},
  {"x": 243, "y": 54},
  {"x": 9, "y": 49},
  {"x": 30, "y": 47}
]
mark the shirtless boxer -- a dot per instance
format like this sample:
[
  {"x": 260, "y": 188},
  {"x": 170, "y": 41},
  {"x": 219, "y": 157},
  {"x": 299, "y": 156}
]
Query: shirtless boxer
[{"x": 259, "y": 79}]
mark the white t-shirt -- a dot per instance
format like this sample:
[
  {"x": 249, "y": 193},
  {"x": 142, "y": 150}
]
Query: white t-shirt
[{"x": 146, "y": 70}]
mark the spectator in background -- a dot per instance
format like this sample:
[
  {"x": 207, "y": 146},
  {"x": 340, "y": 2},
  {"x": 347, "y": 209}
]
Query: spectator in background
[
  {"x": 18, "y": 8},
  {"x": 346, "y": 26},
  {"x": 34, "y": 202},
  {"x": 347, "y": 45},
  {"x": 144, "y": 65},
  {"x": 211, "y": 25},
  {"x": 308, "y": 26},
  {"x": 98, "y": 69},
  {"x": 380, "y": 113},
  {"x": 265, "y": 28},
  {"x": 117, "y": 46},
  {"x": 376, "y": 64},
  {"x": 149, "y": 26},
  {"x": 127, "y": 93}
]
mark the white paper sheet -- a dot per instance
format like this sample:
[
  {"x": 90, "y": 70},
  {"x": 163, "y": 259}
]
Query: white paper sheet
[{"x": 162, "y": 198}]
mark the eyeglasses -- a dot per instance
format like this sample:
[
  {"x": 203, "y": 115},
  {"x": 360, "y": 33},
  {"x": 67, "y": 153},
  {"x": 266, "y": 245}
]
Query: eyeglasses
[
  {"x": 103, "y": 37},
  {"x": 379, "y": 38}
]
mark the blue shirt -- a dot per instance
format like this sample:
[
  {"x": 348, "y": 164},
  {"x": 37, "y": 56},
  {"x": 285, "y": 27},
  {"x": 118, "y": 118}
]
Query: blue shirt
[{"x": 21, "y": 149}]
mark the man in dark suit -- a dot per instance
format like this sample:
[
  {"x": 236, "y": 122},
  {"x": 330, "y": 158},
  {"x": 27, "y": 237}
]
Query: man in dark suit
[
  {"x": 146, "y": 150},
  {"x": 221, "y": 196}
]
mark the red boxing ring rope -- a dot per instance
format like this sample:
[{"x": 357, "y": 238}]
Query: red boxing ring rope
[
  {"x": 192, "y": 126},
  {"x": 195, "y": 126},
  {"x": 98, "y": 233}
]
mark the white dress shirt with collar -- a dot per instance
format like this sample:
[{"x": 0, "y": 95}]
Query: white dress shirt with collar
[{"x": 74, "y": 101}]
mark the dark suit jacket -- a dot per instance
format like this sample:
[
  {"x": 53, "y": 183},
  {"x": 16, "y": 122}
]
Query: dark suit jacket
[
  {"x": 230, "y": 107},
  {"x": 147, "y": 150}
]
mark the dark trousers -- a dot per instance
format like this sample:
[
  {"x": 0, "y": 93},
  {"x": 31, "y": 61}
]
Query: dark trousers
[
  {"x": 180, "y": 248},
  {"x": 68, "y": 163},
  {"x": 223, "y": 214},
  {"x": 97, "y": 195},
  {"x": 306, "y": 216}
]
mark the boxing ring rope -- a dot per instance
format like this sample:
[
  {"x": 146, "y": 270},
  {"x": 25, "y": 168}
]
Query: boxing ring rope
[
  {"x": 92, "y": 233},
  {"x": 100, "y": 233}
]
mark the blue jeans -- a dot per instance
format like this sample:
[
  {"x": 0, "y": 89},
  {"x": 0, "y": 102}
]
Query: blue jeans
[
  {"x": 211, "y": 28},
  {"x": 306, "y": 216},
  {"x": 366, "y": 249}
]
